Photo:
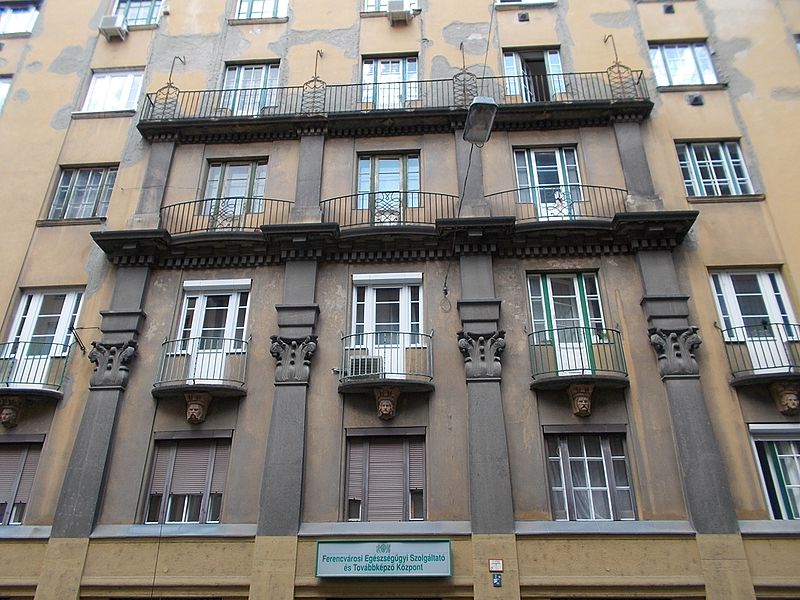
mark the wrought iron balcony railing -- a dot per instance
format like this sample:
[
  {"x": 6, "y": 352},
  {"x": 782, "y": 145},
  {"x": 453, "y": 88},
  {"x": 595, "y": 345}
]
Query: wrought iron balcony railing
[
  {"x": 203, "y": 361},
  {"x": 388, "y": 208},
  {"x": 316, "y": 98},
  {"x": 577, "y": 351},
  {"x": 224, "y": 214},
  {"x": 762, "y": 349},
  {"x": 387, "y": 355},
  {"x": 33, "y": 365},
  {"x": 559, "y": 202}
]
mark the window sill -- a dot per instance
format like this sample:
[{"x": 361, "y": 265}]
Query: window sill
[
  {"x": 104, "y": 114},
  {"x": 175, "y": 530},
  {"x": 15, "y": 34},
  {"x": 385, "y": 528},
  {"x": 770, "y": 527},
  {"x": 258, "y": 21},
  {"x": 530, "y": 4},
  {"x": 24, "y": 532},
  {"x": 603, "y": 527},
  {"x": 143, "y": 27},
  {"x": 726, "y": 199},
  {"x": 699, "y": 87},
  {"x": 68, "y": 222}
]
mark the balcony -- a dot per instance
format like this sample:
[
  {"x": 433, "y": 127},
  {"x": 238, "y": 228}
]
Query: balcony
[
  {"x": 386, "y": 358},
  {"x": 224, "y": 215},
  {"x": 763, "y": 353},
  {"x": 567, "y": 355},
  {"x": 33, "y": 369},
  {"x": 559, "y": 202},
  {"x": 215, "y": 365},
  {"x": 404, "y": 107},
  {"x": 389, "y": 209}
]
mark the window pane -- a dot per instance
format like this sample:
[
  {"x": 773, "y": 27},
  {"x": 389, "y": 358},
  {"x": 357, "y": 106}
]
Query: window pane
[{"x": 153, "y": 508}]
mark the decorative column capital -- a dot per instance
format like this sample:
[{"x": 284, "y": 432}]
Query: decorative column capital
[
  {"x": 294, "y": 357},
  {"x": 786, "y": 395},
  {"x": 482, "y": 353},
  {"x": 111, "y": 364},
  {"x": 675, "y": 351}
]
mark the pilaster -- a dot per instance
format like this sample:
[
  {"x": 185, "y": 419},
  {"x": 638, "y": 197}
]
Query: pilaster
[
  {"x": 469, "y": 169},
  {"x": 309, "y": 179}
]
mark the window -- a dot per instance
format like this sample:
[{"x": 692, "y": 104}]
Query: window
[
  {"x": 40, "y": 338},
  {"x": 383, "y": 5},
  {"x": 261, "y": 9},
  {"x": 139, "y": 12},
  {"x": 589, "y": 478},
  {"x": 753, "y": 308},
  {"x": 389, "y": 82},
  {"x": 387, "y": 186},
  {"x": 713, "y": 169},
  {"x": 5, "y": 86},
  {"x": 212, "y": 328},
  {"x": 18, "y": 17},
  {"x": 550, "y": 179},
  {"x": 387, "y": 322},
  {"x": 234, "y": 189},
  {"x": 533, "y": 75},
  {"x": 249, "y": 89},
  {"x": 778, "y": 450},
  {"x": 18, "y": 464},
  {"x": 191, "y": 475},
  {"x": 385, "y": 478},
  {"x": 113, "y": 90},
  {"x": 83, "y": 193},
  {"x": 567, "y": 319},
  {"x": 682, "y": 64}
]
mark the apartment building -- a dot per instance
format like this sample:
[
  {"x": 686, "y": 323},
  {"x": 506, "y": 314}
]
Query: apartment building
[{"x": 274, "y": 329}]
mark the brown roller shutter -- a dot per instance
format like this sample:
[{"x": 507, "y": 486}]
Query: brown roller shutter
[
  {"x": 28, "y": 471},
  {"x": 386, "y": 487},
  {"x": 221, "y": 459},
  {"x": 355, "y": 470},
  {"x": 416, "y": 463},
  {"x": 191, "y": 468},
  {"x": 160, "y": 467},
  {"x": 11, "y": 456}
]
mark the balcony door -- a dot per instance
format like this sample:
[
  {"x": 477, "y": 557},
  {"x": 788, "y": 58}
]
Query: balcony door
[
  {"x": 754, "y": 310},
  {"x": 549, "y": 178},
  {"x": 233, "y": 190},
  {"x": 42, "y": 333},
  {"x": 534, "y": 75},
  {"x": 249, "y": 89},
  {"x": 389, "y": 82},
  {"x": 387, "y": 187},
  {"x": 567, "y": 316},
  {"x": 213, "y": 327},
  {"x": 386, "y": 321}
]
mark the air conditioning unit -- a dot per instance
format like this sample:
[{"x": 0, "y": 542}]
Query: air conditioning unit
[
  {"x": 398, "y": 12},
  {"x": 114, "y": 27},
  {"x": 364, "y": 366}
]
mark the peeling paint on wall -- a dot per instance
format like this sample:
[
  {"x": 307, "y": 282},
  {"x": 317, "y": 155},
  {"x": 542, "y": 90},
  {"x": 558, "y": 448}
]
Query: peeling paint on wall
[
  {"x": 21, "y": 95},
  {"x": 72, "y": 59},
  {"x": 96, "y": 267},
  {"x": 473, "y": 35},
  {"x": 35, "y": 66},
  {"x": 785, "y": 94},
  {"x": 617, "y": 20},
  {"x": 62, "y": 117}
]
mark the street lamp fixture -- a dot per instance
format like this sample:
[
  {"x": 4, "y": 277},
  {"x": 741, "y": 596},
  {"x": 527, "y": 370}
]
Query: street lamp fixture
[{"x": 480, "y": 118}]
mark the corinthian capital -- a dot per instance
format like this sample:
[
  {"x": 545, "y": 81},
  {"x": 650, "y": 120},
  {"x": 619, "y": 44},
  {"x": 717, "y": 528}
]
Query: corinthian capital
[
  {"x": 675, "y": 351},
  {"x": 482, "y": 353},
  {"x": 293, "y": 356},
  {"x": 111, "y": 363}
]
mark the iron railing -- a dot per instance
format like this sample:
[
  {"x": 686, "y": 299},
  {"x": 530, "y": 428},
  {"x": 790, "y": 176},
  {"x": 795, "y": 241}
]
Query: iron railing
[
  {"x": 387, "y": 355},
  {"x": 762, "y": 348},
  {"x": 224, "y": 214},
  {"x": 203, "y": 360},
  {"x": 388, "y": 208},
  {"x": 33, "y": 365},
  {"x": 558, "y": 202},
  {"x": 318, "y": 98},
  {"x": 586, "y": 351}
]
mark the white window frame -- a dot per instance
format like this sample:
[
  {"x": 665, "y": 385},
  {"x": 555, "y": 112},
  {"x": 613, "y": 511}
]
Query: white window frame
[
  {"x": 29, "y": 312},
  {"x": 384, "y": 92},
  {"x": 200, "y": 291},
  {"x": 554, "y": 200},
  {"x": 519, "y": 81},
  {"x": 372, "y": 282},
  {"x": 247, "y": 10},
  {"x": 5, "y": 88},
  {"x": 766, "y": 433},
  {"x": 15, "y": 20},
  {"x": 244, "y": 93},
  {"x": 728, "y": 171},
  {"x": 151, "y": 9},
  {"x": 216, "y": 188},
  {"x": 369, "y": 185},
  {"x": 773, "y": 293},
  {"x": 111, "y": 91},
  {"x": 69, "y": 198},
  {"x": 383, "y": 5},
  {"x": 29, "y": 455},
  {"x": 687, "y": 63}
]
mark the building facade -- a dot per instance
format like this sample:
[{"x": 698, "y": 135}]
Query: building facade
[{"x": 273, "y": 329}]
